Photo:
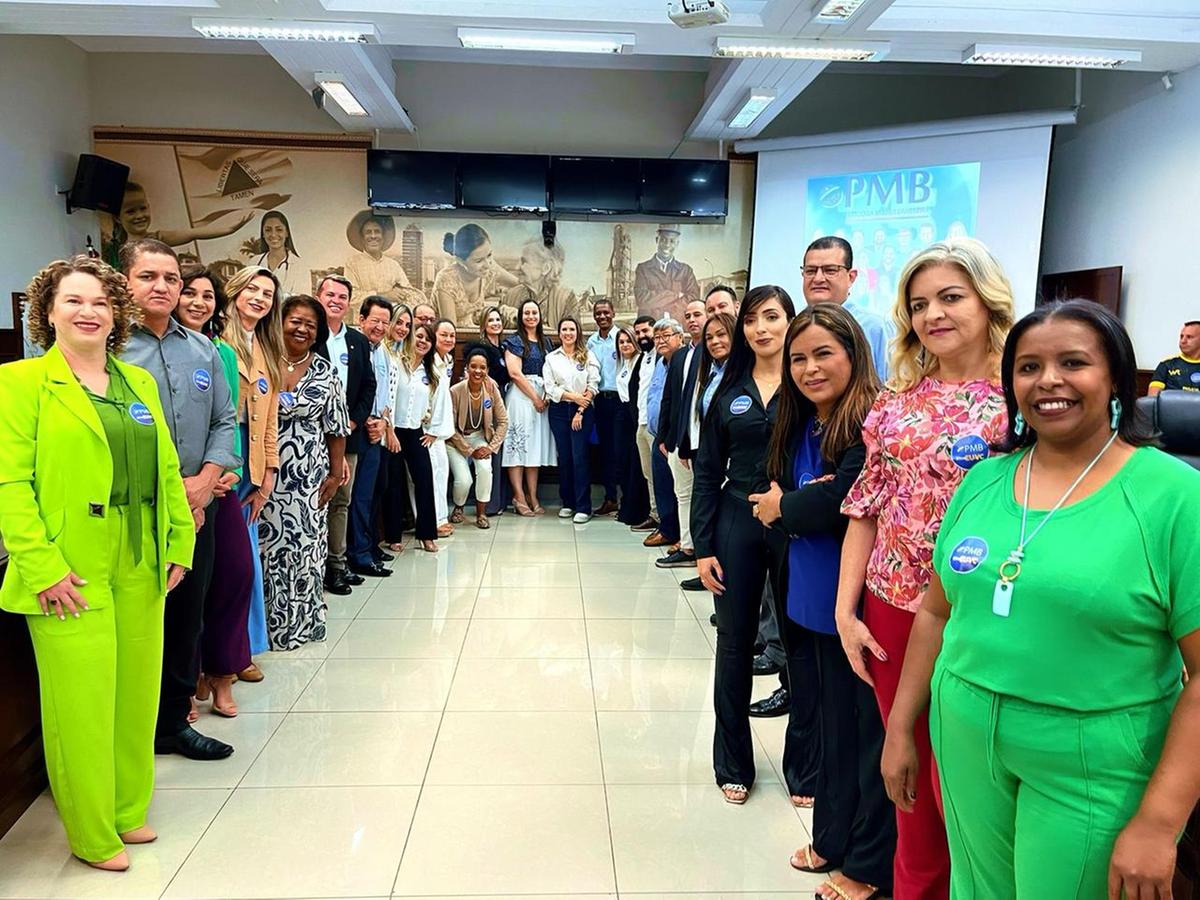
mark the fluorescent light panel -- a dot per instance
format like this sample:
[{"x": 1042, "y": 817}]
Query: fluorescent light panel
[
  {"x": 752, "y": 107},
  {"x": 1068, "y": 57},
  {"x": 334, "y": 86},
  {"x": 280, "y": 30},
  {"x": 544, "y": 41},
  {"x": 837, "y": 12},
  {"x": 832, "y": 51}
]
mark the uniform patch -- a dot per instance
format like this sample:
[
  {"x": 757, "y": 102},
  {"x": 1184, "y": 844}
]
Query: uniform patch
[
  {"x": 969, "y": 450},
  {"x": 968, "y": 554}
]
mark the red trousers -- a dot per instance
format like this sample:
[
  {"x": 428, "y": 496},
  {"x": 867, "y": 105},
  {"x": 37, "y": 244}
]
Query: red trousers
[{"x": 922, "y": 868}]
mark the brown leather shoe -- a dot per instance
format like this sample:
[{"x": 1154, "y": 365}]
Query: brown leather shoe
[
  {"x": 648, "y": 525},
  {"x": 656, "y": 540},
  {"x": 607, "y": 508},
  {"x": 251, "y": 673}
]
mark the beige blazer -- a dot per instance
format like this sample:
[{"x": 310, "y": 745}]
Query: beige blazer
[{"x": 495, "y": 416}]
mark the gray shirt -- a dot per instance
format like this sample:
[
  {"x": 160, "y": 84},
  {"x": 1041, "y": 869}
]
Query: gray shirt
[{"x": 195, "y": 395}]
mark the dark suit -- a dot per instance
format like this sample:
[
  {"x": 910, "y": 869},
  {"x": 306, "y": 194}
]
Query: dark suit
[
  {"x": 674, "y": 432},
  {"x": 360, "y": 398}
]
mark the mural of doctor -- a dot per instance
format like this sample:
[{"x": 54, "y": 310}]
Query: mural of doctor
[
  {"x": 278, "y": 253},
  {"x": 662, "y": 284}
]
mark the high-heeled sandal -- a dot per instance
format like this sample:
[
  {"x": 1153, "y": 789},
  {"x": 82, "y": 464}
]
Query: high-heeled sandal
[
  {"x": 458, "y": 516},
  {"x": 231, "y": 710},
  {"x": 523, "y": 509},
  {"x": 118, "y": 863},
  {"x": 429, "y": 546}
]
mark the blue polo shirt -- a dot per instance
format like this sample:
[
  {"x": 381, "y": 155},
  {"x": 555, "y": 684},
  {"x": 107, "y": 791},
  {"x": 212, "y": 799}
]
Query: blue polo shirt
[
  {"x": 655, "y": 394},
  {"x": 605, "y": 351},
  {"x": 813, "y": 560}
]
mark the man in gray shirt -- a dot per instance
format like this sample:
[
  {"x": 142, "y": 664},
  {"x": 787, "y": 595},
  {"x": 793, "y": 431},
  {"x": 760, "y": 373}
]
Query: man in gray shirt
[{"x": 198, "y": 405}]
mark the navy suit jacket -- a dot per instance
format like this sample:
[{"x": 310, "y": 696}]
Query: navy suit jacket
[
  {"x": 676, "y": 413},
  {"x": 360, "y": 385}
]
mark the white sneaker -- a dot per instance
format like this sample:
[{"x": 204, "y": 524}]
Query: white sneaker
[
  {"x": 565, "y": 513},
  {"x": 581, "y": 518}
]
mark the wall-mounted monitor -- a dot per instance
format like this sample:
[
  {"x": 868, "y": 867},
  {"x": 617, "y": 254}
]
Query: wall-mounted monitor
[
  {"x": 594, "y": 185},
  {"x": 405, "y": 179},
  {"x": 685, "y": 187},
  {"x": 503, "y": 182}
]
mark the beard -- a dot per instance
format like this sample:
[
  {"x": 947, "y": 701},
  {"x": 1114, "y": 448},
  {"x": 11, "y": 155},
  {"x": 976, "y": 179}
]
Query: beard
[{"x": 647, "y": 344}]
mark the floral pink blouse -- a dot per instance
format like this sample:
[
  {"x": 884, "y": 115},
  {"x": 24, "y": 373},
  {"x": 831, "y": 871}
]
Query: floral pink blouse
[{"x": 920, "y": 443}]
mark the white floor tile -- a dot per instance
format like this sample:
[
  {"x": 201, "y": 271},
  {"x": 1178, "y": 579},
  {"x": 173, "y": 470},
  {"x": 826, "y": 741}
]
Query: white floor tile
[
  {"x": 642, "y": 603},
  {"x": 516, "y": 748},
  {"x": 627, "y": 576},
  {"x": 521, "y": 685},
  {"x": 301, "y": 842},
  {"x": 653, "y": 684},
  {"x": 483, "y": 840},
  {"x": 429, "y": 603},
  {"x": 529, "y": 603},
  {"x": 617, "y": 639},
  {"x": 248, "y": 733},
  {"x": 334, "y": 629},
  {"x": 283, "y": 682},
  {"x": 526, "y": 639},
  {"x": 530, "y": 573},
  {"x": 379, "y": 685},
  {"x": 401, "y": 639}
]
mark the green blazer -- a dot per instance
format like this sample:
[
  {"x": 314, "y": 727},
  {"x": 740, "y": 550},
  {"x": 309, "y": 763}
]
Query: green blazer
[{"x": 55, "y": 481}]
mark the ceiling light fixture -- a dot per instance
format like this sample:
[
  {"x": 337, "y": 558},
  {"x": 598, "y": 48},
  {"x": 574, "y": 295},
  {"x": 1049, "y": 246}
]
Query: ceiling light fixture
[
  {"x": 544, "y": 41},
  {"x": 752, "y": 107},
  {"x": 334, "y": 86},
  {"x": 279, "y": 30},
  {"x": 1063, "y": 57},
  {"x": 837, "y": 12},
  {"x": 831, "y": 51}
]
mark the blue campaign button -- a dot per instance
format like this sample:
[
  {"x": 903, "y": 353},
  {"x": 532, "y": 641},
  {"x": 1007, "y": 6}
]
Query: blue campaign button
[
  {"x": 1195, "y": 377},
  {"x": 141, "y": 414},
  {"x": 968, "y": 554},
  {"x": 487, "y": 404},
  {"x": 202, "y": 379},
  {"x": 262, "y": 385},
  {"x": 287, "y": 399},
  {"x": 425, "y": 379},
  {"x": 345, "y": 358},
  {"x": 614, "y": 354},
  {"x": 739, "y": 405},
  {"x": 969, "y": 450},
  {"x": 579, "y": 366}
]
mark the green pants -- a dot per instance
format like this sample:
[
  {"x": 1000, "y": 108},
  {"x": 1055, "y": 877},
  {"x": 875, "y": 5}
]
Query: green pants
[
  {"x": 1035, "y": 795},
  {"x": 99, "y": 679}
]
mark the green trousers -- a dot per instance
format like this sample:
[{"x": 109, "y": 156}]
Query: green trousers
[
  {"x": 100, "y": 678},
  {"x": 1035, "y": 796}
]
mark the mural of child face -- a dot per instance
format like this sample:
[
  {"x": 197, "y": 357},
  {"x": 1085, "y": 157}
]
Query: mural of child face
[
  {"x": 372, "y": 235},
  {"x": 479, "y": 261},
  {"x": 135, "y": 214}
]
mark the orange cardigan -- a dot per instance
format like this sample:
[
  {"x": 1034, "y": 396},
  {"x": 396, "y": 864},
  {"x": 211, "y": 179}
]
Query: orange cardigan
[{"x": 261, "y": 402}]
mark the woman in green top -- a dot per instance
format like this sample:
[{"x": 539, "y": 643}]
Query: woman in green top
[
  {"x": 1052, "y": 632},
  {"x": 96, "y": 521}
]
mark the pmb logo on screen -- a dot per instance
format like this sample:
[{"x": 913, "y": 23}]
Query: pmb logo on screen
[{"x": 873, "y": 190}]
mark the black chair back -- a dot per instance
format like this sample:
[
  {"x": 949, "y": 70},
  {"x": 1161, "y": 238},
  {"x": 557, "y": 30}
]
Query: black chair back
[{"x": 1175, "y": 415}]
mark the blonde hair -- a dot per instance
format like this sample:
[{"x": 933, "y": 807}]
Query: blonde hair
[
  {"x": 401, "y": 350},
  {"x": 269, "y": 330},
  {"x": 911, "y": 362}
]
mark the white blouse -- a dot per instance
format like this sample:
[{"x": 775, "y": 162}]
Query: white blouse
[
  {"x": 624, "y": 374},
  {"x": 563, "y": 374},
  {"x": 413, "y": 398},
  {"x": 441, "y": 414}
]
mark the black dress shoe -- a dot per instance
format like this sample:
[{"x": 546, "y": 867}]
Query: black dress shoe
[
  {"x": 351, "y": 579},
  {"x": 692, "y": 584},
  {"x": 382, "y": 556},
  {"x": 336, "y": 583},
  {"x": 770, "y": 707},
  {"x": 677, "y": 560},
  {"x": 712, "y": 620},
  {"x": 375, "y": 570},
  {"x": 764, "y": 666},
  {"x": 193, "y": 745},
  {"x": 648, "y": 525}
]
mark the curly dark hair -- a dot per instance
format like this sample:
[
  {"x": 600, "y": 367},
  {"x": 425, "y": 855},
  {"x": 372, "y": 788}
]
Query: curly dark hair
[{"x": 44, "y": 286}]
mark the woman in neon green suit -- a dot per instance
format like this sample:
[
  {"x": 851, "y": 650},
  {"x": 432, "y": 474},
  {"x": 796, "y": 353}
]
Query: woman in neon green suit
[{"x": 97, "y": 525}]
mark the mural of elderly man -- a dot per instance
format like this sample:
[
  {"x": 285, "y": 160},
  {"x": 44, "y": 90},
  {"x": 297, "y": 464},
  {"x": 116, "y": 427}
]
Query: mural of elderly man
[
  {"x": 369, "y": 270},
  {"x": 662, "y": 285},
  {"x": 541, "y": 271}
]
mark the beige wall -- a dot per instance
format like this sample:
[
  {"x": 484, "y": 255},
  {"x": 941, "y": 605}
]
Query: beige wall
[{"x": 44, "y": 106}]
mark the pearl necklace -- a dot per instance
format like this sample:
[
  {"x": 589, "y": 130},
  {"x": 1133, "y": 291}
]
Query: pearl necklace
[
  {"x": 472, "y": 422},
  {"x": 291, "y": 366}
]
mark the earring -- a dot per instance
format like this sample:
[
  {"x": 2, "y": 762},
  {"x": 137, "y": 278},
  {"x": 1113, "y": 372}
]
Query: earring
[
  {"x": 1114, "y": 407},
  {"x": 1019, "y": 425}
]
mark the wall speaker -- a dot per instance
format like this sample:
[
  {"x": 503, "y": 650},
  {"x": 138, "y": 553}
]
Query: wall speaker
[{"x": 99, "y": 184}]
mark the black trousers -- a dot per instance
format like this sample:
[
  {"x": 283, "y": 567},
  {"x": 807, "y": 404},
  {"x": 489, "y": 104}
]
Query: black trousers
[
  {"x": 608, "y": 408},
  {"x": 183, "y": 623},
  {"x": 635, "y": 493},
  {"x": 420, "y": 470},
  {"x": 802, "y": 743},
  {"x": 747, "y": 553},
  {"x": 854, "y": 823},
  {"x": 397, "y": 510}
]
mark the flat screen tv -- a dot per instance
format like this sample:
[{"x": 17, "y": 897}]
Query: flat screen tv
[
  {"x": 685, "y": 187},
  {"x": 503, "y": 182},
  {"x": 594, "y": 185},
  {"x": 1101, "y": 285},
  {"x": 410, "y": 179}
]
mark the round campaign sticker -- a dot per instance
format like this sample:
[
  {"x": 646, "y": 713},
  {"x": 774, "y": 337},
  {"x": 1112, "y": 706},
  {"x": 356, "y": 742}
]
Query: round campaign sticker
[
  {"x": 579, "y": 366},
  {"x": 969, "y": 450},
  {"x": 739, "y": 405},
  {"x": 806, "y": 478},
  {"x": 614, "y": 354},
  {"x": 140, "y": 413},
  {"x": 345, "y": 358},
  {"x": 1195, "y": 377},
  {"x": 263, "y": 387},
  {"x": 201, "y": 379},
  {"x": 487, "y": 404},
  {"x": 425, "y": 379},
  {"x": 287, "y": 399},
  {"x": 969, "y": 553}
]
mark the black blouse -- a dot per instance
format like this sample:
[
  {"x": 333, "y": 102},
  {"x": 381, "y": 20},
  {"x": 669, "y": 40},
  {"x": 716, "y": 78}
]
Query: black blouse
[
  {"x": 732, "y": 456},
  {"x": 496, "y": 366}
]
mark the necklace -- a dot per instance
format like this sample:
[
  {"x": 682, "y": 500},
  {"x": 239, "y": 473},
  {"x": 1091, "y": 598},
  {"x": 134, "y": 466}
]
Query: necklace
[
  {"x": 473, "y": 423},
  {"x": 291, "y": 366},
  {"x": 1010, "y": 569}
]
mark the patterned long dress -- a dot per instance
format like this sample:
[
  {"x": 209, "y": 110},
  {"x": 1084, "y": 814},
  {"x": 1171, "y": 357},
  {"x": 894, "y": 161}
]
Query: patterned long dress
[{"x": 292, "y": 537}]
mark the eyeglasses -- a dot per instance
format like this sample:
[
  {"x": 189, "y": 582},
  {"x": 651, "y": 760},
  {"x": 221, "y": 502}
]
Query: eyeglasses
[{"x": 827, "y": 271}]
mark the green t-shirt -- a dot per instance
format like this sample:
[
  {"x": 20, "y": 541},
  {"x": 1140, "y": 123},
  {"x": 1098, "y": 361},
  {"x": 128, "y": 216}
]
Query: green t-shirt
[
  {"x": 1106, "y": 589},
  {"x": 229, "y": 364},
  {"x": 132, "y": 442}
]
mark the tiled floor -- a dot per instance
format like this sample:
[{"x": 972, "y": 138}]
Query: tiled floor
[{"x": 526, "y": 713}]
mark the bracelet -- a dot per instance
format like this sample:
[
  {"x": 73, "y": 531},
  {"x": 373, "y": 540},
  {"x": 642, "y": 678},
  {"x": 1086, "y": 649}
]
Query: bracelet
[{"x": 261, "y": 494}]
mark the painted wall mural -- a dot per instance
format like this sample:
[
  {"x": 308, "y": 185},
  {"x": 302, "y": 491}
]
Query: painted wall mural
[{"x": 295, "y": 203}]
